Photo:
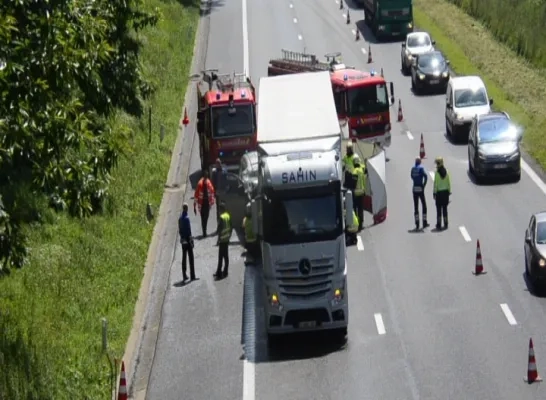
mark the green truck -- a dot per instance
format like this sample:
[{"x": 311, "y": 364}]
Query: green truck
[{"x": 388, "y": 18}]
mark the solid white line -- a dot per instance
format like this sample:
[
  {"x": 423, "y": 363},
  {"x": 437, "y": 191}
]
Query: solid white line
[
  {"x": 534, "y": 177},
  {"x": 249, "y": 381},
  {"x": 300, "y": 37},
  {"x": 379, "y": 323},
  {"x": 508, "y": 314},
  {"x": 409, "y": 135},
  {"x": 364, "y": 50},
  {"x": 246, "y": 63},
  {"x": 431, "y": 175},
  {"x": 295, "y": 20},
  {"x": 359, "y": 244},
  {"x": 465, "y": 234}
]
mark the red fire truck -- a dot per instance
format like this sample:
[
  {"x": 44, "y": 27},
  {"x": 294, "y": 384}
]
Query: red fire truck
[
  {"x": 362, "y": 99},
  {"x": 226, "y": 119}
]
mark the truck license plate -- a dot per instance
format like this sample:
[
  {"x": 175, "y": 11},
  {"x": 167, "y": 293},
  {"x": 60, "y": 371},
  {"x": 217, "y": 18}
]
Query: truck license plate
[
  {"x": 499, "y": 166},
  {"x": 434, "y": 81},
  {"x": 308, "y": 324}
]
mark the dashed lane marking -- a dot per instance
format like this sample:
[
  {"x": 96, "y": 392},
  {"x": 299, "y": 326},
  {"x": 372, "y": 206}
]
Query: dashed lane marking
[
  {"x": 353, "y": 32},
  {"x": 508, "y": 314},
  {"x": 300, "y": 37},
  {"x": 359, "y": 243},
  {"x": 344, "y": 16},
  {"x": 431, "y": 175},
  {"x": 363, "y": 51},
  {"x": 291, "y": 5},
  {"x": 295, "y": 20},
  {"x": 249, "y": 380},
  {"x": 465, "y": 234},
  {"x": 379, "y": 324},
  {"x": 409, "y": 135}
]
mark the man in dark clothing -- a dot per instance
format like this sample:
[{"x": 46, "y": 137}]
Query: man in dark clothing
[
  {"x": 186, "y": 239},
  {"x": 419, "y": 179}
]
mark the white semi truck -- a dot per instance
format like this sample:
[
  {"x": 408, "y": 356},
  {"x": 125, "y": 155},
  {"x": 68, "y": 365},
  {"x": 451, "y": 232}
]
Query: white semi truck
[{"x": 298, "y": 209}]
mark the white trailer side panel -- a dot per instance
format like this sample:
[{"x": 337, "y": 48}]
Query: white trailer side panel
[{"x": 296, "y": 107}]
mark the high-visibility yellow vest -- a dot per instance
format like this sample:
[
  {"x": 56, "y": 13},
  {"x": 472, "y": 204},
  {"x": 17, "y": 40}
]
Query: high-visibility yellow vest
[
  {"x": 348, "y": 163},
  {"x": 225, "y": 234},
  {"x": 360, "y": 181},
  {"x": 441, "y": 185},
  {"x": 354, "y": 227},
  {"x": 249, "y": 232}
]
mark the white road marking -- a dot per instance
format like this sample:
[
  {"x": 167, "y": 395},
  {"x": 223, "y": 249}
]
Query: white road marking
[
  {"x": 359, "y": 243},
  {"x": 354, "y": 32},
  {"x": 249, "y": 380},
  {"x": 300, "y": 37},
  {"x": 246, "y": 63},
  {"x": 291, "y": 5},
  {"x": 379, "y": 324},
  {"x": 364, "y": 50},
  {"x": 465, "y": 234},
  {"x": 409, "y": 135},
  {"x": 337, "y": 1},
  {"x": 534, "y": 177},
  {"x": 431, "y": 175},
  {"x": 295, "y": 20},
  {"x": 344, "y": 16},
  {"x": 508, "y": 314}
]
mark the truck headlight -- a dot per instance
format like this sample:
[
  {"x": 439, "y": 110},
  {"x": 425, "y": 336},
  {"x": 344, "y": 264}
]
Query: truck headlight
[
  {"x": 273, "y": 299},
  {"x": 339, "y": 293},
  {"x": 410, "y": 25},
  {"x": 542, "y": 262},
  {"x": 381, "y": 27}
]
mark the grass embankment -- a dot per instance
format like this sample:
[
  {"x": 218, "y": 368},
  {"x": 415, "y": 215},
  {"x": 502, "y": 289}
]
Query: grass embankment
[
  {"x": 516, "y": 86},
  {"x": 80, "y": 271}
]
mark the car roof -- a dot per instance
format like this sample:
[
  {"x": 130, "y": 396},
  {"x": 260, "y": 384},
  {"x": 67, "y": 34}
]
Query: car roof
[
  {"x": 467, "y": 82},
  {"x": 540, "y": 216},
  {"x": 492, "y": 116},
  {"x": 433, "y": 52},
  {"x": 417, "y": 34}
]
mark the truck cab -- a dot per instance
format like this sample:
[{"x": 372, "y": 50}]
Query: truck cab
[{"x": 226, "y": 119}]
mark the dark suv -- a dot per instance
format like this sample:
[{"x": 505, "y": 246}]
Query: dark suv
[{"x": 493, "y": 146}]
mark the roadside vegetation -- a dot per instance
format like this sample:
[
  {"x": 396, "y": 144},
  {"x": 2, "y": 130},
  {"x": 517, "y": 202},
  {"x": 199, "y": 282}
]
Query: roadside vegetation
[
  {"x": 77, "y": 169},
  {"x": 516, "y": 83}
]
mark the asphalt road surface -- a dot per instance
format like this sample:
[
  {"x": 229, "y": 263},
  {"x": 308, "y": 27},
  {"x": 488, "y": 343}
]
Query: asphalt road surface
[{"x": 422, "y": 326}]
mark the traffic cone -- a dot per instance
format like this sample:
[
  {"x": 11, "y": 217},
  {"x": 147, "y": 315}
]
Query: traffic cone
[
  {"x": 348, "y": 18},
  {"x": 341, "y": 4},
  {"x": 382, "y": 75},
  {"x": 532, "y": 373},
  {"x": 357, "y": 33},
  {"x": 479, "y": 264},
  {"x": 422, "y": 153},
  {"x": 369, "y": 54},
  {"x": 400, "y": 115},
  {"x": 122, "y": 391},
  {"x": 185, "y": 120}
]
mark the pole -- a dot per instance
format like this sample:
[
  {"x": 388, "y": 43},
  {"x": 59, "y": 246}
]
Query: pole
[{"x": 150, "y": 125}]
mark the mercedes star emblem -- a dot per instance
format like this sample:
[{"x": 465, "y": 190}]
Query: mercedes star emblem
[{"x": 305, "y": 266}]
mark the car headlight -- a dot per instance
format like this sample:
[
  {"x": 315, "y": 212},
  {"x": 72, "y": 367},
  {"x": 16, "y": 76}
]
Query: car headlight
[
  {"x": 410, "y": 57},
  {"x": 421, "y": 76},
  {"x": 481, "y": 156},
  {"x": 459, "y": 117},
  {"x": 542, "y": 262},
  {"x": 445, "y": 74},
  {"x": 513, "y": 156}
]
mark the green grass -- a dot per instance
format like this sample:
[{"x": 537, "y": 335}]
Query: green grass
[
  {"x": 81, "y": 271},
  {"x": 516, "y": 86}
]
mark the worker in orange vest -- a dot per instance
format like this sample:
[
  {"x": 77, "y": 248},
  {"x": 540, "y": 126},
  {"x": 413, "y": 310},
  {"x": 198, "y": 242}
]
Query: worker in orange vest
[{"x": 204, "y": 199}]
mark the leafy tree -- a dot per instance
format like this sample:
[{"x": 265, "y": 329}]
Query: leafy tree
[{"x": 66, "y": 68}]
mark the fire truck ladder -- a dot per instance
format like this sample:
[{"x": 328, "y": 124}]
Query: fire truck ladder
[
  {"x": 300, "y": 62},
  {"x": 230, "y": 82}
]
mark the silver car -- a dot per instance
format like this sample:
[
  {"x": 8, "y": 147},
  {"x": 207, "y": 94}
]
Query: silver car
[{"x": 416, "y": 43}]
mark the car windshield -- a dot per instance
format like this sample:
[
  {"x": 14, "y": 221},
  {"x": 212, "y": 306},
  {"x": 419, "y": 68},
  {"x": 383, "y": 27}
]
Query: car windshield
[
  {"x": 497, "y": 130},
  {"x": 418, "y": 41},
  {"x": 302, "y": 216},
  {"x": 226, "y": 124},
  {"x": 470, "y": 97},
  {"x": 368, "y": 99},
  {"x": 432, "y": 61},
  {"x": 541, "y": 232}
]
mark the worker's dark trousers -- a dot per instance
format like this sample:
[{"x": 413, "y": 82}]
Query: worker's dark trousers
[
  {"x": 442, "y": 201},
  {"x": 205, "y": 211},
  {"x": 187, "y": 252},
  {"x": 419, "y": 196},
  {"x": 223, "y": 254},
  {"x": 358, "y": 206},
  {"x": 253, "y": 249}
]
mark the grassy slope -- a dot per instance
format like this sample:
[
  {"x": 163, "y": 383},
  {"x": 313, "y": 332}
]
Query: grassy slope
[
  {"x": 516, "y": 87},
  {"x": 81, "y": 271}
]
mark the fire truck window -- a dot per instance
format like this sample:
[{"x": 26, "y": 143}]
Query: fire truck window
[
  {"x": 339, "y": 97},
  {"x": 368, "y": 99},
  {"x": 226, "y": 125}
]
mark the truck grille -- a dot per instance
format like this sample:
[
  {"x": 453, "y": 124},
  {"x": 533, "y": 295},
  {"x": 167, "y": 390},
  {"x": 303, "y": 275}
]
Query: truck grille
[
  {"x": 293, "y": 284},
  {"x": 370, "y": 129}
]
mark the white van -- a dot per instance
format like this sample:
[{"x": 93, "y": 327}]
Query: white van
[{"x": 466, "y": 96}]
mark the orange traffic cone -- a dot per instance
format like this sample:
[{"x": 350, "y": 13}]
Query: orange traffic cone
[
  {"x": 532, "y": 373},
  {"x": 478, "y": 270},
  {"x": 341, "y": 4},
  {"x": 422, "y": 153},
  {"x": 185, "y": 120},
  {"x": 400, "y": 115},
  {"x": 382, "y": 75},
  {"x": 348, "y": 18},
  {"x": 357, "y": 33},
  {"x": 122, "y": 391},
  {"x": 369, "y": 54}
]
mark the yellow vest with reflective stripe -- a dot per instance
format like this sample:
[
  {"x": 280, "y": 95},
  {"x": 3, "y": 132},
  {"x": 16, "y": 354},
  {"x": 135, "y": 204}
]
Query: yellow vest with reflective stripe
[
  {"x": 348, "y": 163},
  {"x": 441, "y": 185},
  {"x": 225, "y": 235},
  {"x": 360, "y": 181},
  {"x": 249, "y": 232},
  {"x": 354, "y": 227}
]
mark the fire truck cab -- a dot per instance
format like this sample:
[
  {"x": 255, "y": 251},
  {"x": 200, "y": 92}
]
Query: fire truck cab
[
  {"x": 362, "y": 98},
  {"x": 226, "y": 118}
]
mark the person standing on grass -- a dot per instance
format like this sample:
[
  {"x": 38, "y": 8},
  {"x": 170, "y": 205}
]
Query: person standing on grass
[
  {"x": 186, "y": 239},
  {"x": 204, "y": 198}
]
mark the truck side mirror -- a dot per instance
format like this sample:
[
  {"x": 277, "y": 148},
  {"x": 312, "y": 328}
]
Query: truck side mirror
[
  {"x": 200, "y": 122},
  {"x": 254, "y": 211}
]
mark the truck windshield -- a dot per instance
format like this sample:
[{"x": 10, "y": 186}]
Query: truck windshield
[
  {"x": 368, "y": 99},
  {"x": 302, "y": 215},
  {"x": 240, "y": 123}
]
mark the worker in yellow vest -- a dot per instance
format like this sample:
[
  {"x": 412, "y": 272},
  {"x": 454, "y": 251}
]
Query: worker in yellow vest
[
  {"x": 347, "y": 166},
  {"x": 359, "y": 172},
  {"x": 224, "y": 235},
  {"x": 442, "y": 191},
  {"x": 351, "y": 230},
  {"x": 251, "y": 241}
]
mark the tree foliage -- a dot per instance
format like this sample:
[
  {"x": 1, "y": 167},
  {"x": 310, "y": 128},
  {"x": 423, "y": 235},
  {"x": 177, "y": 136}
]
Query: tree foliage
[{"x": 66, "y": 68}]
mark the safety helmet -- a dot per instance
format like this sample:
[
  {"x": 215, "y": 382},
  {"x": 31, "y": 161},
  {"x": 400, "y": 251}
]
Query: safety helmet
[
  {"x": 439, "y": 161},
  {"x": 350, "y": 145},
  {"x": 356, "y": 158}
]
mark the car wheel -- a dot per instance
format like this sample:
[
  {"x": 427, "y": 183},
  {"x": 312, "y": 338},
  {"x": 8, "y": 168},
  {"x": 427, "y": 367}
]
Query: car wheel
[
  {"x": 470, "y": 169},
  {"x": 526, "y": 265},
  {"x": 413, "y": 87},
  {"x": 448, "y": 131}
]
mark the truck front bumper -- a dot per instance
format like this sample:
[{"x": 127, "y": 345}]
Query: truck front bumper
[{"x": 394, "y": 29}]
